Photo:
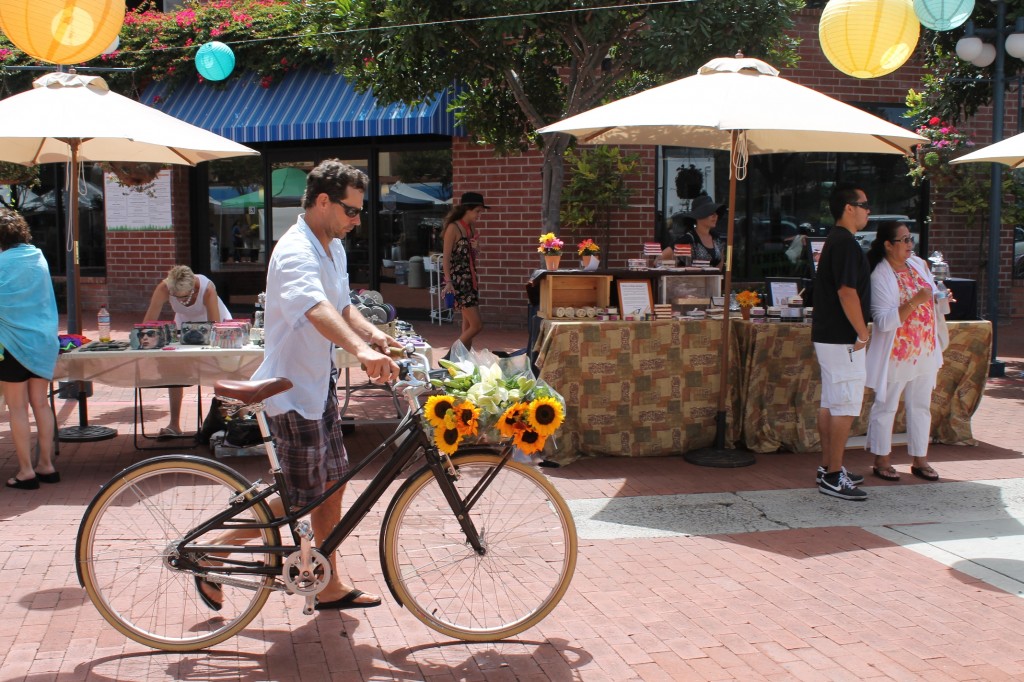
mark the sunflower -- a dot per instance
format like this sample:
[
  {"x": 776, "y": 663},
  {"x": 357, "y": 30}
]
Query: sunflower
[
  {"x": 436, "y": 408},
  {"x": 545, "y": 416},
  {"x": 510, "y": 422},
  {"x": 467, "y": 418},
  {"x": 529, "y": 441},
  {"x": 447, "y": 440}
]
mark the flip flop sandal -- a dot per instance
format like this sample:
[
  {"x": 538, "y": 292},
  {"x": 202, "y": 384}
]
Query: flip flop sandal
[
  {"x": 885, "y": 473},
  {"x": 927, "y": 473},
  {"x": 28, "y": 484},
  {"x": 347, "y": 602},
  {"x": 49, "y": 478},
  {"x": 210, "y": 603},
  {"x": 167, "y": 432}
]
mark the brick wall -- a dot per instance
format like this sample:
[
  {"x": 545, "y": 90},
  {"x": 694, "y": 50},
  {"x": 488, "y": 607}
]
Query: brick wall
[{"x": 508, "y": 232}]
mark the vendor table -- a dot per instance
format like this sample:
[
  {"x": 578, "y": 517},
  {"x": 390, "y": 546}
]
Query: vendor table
[
  {"x": 634, "y": 388},
  {"x": 651, "y": 388},
  {"x": 187, "y": 366},
  {"x": 781, "y": 386}
]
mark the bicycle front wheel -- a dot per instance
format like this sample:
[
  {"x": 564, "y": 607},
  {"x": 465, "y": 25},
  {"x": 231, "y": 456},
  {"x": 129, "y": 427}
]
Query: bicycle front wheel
[
  {"x": 529, "y": 553},
  {"x": 127, "y": 544}
]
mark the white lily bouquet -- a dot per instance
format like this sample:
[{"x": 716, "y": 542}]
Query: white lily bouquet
[{"x": 484, "y": 393}]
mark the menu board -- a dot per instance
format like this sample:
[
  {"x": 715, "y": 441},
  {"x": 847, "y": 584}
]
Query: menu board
[
  {"x": 635, "y": 297},
  {"x": 138, "y": 208}
]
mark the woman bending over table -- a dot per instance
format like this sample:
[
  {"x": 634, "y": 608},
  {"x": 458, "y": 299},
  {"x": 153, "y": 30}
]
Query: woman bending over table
[
  {"x": 905, "y": 353},
  {"x": 28, "y": 348},
  {"x": 193, "y": 298}
]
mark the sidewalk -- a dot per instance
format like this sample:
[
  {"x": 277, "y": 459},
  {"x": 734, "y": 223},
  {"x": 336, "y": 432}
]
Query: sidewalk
[{"x": 684, "y": 573}]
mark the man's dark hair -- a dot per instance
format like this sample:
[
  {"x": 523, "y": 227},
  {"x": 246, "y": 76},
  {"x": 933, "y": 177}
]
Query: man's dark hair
[
  {"x": 843, "y": 194},
  {"x": 333, "y": 178},
  {"x": 13, "y": 229}
]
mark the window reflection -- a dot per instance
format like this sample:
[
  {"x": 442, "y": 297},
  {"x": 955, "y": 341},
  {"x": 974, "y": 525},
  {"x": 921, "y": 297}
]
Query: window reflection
[{"x": 783, "y": 203}]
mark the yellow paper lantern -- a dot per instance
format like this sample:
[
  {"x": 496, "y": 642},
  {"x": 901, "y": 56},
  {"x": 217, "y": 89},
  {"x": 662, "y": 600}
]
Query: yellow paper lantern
[
  {"x": 62, "y": 31},
  {"x": 868, "y": 38}
]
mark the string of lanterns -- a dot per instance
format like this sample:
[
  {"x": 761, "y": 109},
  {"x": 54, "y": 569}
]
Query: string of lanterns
[
  {"x": 75, "y": 31},
  {"x": 872, "y": 38}
]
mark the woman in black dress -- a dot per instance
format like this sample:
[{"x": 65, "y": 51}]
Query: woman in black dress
[
  {"x": 700, "y": 234},
  {"x": 460, "y": 262}
]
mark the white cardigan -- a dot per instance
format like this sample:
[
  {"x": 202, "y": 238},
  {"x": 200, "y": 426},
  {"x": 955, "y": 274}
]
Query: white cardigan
[{"x": 885, "y": 316}]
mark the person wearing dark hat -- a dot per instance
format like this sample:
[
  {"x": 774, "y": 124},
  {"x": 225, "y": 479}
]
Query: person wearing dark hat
[
  {"x": 459, "y": 263},
  {"x": 698, "y": 231}
]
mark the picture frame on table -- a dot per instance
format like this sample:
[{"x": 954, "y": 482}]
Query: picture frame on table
[{"x": 636, "y": 297}]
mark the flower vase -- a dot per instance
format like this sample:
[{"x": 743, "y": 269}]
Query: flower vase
[
  {"x": 745, "y": 312},
  {"x": 587, "y": 258},
  {"x": 551, "y": 261}
]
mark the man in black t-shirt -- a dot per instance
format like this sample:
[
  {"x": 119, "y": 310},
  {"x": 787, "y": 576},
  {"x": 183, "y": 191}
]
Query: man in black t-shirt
[{"x": 842, "y": 307}]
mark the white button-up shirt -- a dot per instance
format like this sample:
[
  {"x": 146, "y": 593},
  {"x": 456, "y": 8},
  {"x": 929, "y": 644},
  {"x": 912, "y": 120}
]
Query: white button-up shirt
[{"x": 300, "y": 276}]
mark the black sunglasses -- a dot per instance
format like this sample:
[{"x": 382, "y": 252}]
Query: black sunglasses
[
  {"x": 350, "y": 211},
  {"x": 149, "y": 333},
  {"x": 861, "y": 204},
  {"x": 903, "y": 240}
]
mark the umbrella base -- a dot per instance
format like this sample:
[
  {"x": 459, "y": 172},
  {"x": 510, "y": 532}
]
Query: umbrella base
[
  {"x": 721, "y": 458},
  {"x": 85, "y": 434}
]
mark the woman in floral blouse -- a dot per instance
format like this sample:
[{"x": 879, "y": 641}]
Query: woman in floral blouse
[{"x": 906, "y": 348}]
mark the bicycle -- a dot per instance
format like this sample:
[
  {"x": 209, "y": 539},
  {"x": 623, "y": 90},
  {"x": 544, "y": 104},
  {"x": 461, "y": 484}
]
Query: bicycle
[{"x": 477, "y": 546}]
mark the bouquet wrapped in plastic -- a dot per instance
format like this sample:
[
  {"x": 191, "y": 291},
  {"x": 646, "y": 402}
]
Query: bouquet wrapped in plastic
[{"x": 491, "y": 398}]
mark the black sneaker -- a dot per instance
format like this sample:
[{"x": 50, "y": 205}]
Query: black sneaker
[
  {"x": 855, "y": 479},
  {"x": 838, "y": 484}
]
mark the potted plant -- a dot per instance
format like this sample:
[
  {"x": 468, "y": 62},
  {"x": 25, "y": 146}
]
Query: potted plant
[
  {"x": 747, "y": 300},
  {"x": 551, "y": 248},
  {"x": 588, "y": 251},
  {"x": 139, "y": 176}
]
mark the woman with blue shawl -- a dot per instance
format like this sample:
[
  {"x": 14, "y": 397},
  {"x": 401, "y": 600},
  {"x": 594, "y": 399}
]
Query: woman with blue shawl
[{"x": 28, "y": 348}]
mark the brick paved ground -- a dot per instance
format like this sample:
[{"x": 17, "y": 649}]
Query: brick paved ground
[{"x": 804, "y": 604}]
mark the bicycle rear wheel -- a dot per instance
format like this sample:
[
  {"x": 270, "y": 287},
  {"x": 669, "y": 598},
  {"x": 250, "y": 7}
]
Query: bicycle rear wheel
[
  {"x": 127, "y": 541},
  {"x": 528, "y": 563}
]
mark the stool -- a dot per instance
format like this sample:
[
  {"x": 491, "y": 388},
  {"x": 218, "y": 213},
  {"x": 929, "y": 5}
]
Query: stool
[{"x": 139, "y": 425}]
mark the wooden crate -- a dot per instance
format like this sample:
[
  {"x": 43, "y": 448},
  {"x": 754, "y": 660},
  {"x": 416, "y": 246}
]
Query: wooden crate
[{"x": 577, "y": 291}]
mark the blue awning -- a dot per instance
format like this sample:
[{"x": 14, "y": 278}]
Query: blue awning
[{"x": 304, "y": 105}]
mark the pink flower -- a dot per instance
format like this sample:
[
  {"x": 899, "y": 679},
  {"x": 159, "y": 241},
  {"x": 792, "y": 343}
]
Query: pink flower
[
  {"x": 186, "y": 17},
  {"x": 214, "y": 32}
]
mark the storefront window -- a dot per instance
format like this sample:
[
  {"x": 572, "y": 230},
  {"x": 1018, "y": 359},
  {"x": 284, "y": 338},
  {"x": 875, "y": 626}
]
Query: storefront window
[
  {"x": 415, "y": 195},
  {"x": 236, "y": 207},
  {"x": 783, "y": 202}
]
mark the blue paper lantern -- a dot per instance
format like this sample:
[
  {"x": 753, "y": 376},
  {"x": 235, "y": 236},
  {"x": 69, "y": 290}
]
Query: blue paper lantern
[
  {"x": 943, "y": 15},
  {"x": 215, "y": 61}
]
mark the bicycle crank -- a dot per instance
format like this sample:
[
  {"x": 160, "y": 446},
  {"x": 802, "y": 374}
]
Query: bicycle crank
[{"x": 307, "y": 571}]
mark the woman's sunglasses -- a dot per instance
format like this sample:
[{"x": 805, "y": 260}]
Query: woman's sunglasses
[
  {"x": 149, "y": 333},
  {"x": 903, "y": 240}
]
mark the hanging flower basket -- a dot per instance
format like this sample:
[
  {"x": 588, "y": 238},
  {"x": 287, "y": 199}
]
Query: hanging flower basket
[
  {"x": 133, "y": 174},
  {"x": 16, "y": 174}
]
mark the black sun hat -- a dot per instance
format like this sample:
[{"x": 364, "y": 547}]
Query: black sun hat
[
  {"x": 702, "y": 207},
  {"x": 473, "y": 199}
]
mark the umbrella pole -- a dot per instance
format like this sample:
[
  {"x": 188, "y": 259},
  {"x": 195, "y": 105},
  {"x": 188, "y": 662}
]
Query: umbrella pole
[
  {"x": 83, "y": 432},
  {"x": 718, "y": 455}
]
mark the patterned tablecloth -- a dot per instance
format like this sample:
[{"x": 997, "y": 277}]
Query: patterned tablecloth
[
  {"x": 651, "y": 388},
  {"x": 780, "y": 386},
  {"x": 633, "y": 388}
]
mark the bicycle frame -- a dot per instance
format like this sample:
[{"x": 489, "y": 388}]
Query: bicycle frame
[{"x": 413, "y": 437}]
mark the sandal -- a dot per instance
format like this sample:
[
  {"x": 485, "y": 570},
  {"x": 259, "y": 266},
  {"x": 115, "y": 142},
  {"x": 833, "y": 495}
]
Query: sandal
[
  {"x": 926, "y": 472},
  {"x": 49, "y": 478},
  {"x": 885, "y": 473},
  {"x": 27, "y": 484},
  {"x": 168, "y": 432}
]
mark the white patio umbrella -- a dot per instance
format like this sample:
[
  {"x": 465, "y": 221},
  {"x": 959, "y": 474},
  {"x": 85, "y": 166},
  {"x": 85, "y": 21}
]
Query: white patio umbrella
[
  {"x": 743, "y": 106},
  {"x": 1009, "y": 152},
  {"x": 71, "y": 118}
]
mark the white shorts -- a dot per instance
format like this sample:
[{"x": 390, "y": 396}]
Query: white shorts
[{"x": 842, "y": 378}]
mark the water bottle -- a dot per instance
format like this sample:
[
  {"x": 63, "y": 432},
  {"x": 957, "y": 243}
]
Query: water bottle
[{"x": 103, "y": 324}]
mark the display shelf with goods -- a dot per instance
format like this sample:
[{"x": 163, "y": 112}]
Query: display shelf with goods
[{"x": 575, "y": 291}]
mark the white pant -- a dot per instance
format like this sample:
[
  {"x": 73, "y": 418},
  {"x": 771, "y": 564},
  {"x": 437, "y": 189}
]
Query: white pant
[{"x": 917, "y": 399}]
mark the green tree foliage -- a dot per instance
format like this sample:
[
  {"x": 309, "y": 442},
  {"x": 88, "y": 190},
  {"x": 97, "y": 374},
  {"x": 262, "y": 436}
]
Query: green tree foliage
[
  {"x": 522, "y": 64},
  {"x": 596, "y": 187}
]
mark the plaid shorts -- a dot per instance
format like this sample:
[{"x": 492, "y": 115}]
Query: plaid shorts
[{"x": 311, "y": 451}]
